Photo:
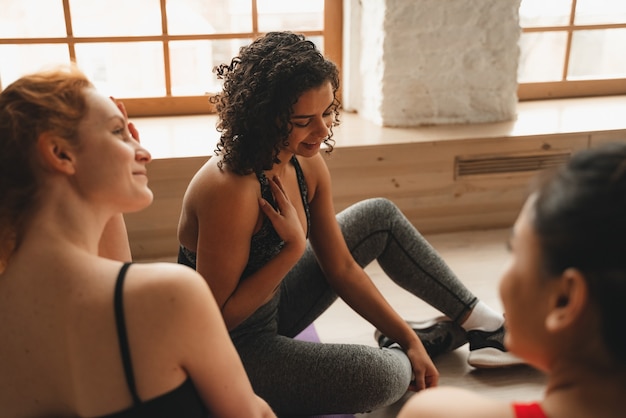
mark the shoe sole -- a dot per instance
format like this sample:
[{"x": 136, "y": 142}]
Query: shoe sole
[{"x": 492, "y": 358}]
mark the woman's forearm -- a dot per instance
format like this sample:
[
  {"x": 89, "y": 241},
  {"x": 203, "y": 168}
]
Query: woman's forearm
[{"x": 259, "y": 288}]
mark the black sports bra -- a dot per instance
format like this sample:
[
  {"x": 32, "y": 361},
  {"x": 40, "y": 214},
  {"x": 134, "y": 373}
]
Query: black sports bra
[
  {"x": 183, "y": 402},
  {"x": 266, "y": 243}
]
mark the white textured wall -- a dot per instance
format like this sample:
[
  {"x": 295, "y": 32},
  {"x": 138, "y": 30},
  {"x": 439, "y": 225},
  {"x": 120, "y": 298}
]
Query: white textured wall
[{"x": 425, "y": 62}]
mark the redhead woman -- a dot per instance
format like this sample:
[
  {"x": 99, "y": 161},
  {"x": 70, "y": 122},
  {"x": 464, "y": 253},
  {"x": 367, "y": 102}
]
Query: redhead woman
[{"x": 85, "y": 334}]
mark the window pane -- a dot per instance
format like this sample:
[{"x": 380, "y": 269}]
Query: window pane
[
  {"x": 31, "y": 19},
  {"x": 542, "y": 56},
  {"x": 133, "y": 69},
  {"x": 185, "y": 17},
  {"x": 291, "y": 15},
  {"x": 590, "y": 12},
  {"x": 534, "y": 13},
  {"x": 115, "y": 17},
  {"x": 598, "y": 54},
  {"x": 192, "y": 64},
  {"x": 18, "y": 60}
]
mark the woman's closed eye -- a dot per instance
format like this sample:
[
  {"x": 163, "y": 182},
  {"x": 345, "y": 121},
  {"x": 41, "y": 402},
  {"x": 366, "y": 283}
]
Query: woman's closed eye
[
  {"x": 123, "y": 133},
  {"x": 118, "y": 131},
  {"x": 302, "y": 124}
]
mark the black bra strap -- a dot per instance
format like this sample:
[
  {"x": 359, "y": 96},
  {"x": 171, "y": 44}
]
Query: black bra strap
[
  {"x": 304, "y": 192},
  {"x": 121, "y": 333}
]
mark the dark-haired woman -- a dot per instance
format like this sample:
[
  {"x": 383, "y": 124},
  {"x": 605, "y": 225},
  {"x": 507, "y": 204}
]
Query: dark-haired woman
[{"x": 563, "y": 294}]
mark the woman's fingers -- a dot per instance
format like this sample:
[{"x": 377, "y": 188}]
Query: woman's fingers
[
  {"x": 278, "y": 190},
  {"x": 133, "y": 131},
  {"x": 131, "y": 127},
  {"x": 425, "y": 374},
  {"x": 285, "y": 220}
]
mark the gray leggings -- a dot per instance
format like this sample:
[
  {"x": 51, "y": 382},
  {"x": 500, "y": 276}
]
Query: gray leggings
[{"x": 300, "y": 378}]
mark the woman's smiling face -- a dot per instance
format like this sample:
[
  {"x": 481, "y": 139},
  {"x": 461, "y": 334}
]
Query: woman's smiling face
[
  {"x": 312, "y": 119},
  {"x": 111, "y": 164}
]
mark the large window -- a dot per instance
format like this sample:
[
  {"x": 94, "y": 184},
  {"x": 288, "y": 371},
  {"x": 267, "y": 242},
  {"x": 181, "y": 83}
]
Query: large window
[
  {"x": 156, "y": 55},
  {"x": 572, "y": 48}
]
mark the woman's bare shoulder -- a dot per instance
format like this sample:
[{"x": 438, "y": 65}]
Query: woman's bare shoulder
[
  {"x": 210, "y": 178},
  {"x": 162, "y": 286},
  {"x": 448, "y": 401},
  {"x": 167, "y": 293},
  {"x": 154, "y": 276},
  {"x": 214, "y": 191}
]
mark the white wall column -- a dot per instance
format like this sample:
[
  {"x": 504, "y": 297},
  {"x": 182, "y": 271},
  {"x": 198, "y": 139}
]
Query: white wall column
[{"x": 432, "y": 62}]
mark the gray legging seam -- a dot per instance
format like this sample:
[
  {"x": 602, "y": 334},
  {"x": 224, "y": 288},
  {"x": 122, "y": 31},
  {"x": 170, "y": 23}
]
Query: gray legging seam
[{"x": 392, "y": 237}]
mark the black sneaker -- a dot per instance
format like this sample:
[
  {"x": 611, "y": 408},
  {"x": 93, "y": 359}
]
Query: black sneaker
[
  {"x": 438, "y": 335},
  {"x": 487, "y": 350}
]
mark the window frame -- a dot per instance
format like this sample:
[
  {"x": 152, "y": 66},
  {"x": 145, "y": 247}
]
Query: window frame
[
  {"x": 332, "y": 34},
  {"x": 188, "y": 105},
  {"x": 571, "y": 88}
]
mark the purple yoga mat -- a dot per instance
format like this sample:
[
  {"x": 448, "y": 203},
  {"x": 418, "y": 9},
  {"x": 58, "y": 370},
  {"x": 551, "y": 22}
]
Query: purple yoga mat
[{"x": 309, "y": 334}]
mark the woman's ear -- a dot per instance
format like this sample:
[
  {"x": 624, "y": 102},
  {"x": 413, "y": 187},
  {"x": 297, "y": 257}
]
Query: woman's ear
[
  {"x": 56, "y": 153},
  {"x": 568, "y": 301}
]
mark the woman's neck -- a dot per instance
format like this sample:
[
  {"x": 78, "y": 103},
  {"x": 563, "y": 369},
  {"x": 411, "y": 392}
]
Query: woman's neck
[
  {"x": 66, "y": 222},
  {"x": 578, "y": 388},
  {"x": 280, "y": 169}
]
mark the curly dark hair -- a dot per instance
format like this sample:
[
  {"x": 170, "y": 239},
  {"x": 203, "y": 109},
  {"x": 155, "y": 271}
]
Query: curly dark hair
[
  {"x": 261, "y": 86},
  {"x": 580, "y": 220}
]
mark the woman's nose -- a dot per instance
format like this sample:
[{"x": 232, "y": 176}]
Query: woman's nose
[
  {"x": 323, "y": 127},
  {"x": 143, "y": 155}
]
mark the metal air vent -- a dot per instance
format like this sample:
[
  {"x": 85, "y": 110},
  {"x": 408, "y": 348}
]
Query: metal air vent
[{"x": 480, "y": 165}]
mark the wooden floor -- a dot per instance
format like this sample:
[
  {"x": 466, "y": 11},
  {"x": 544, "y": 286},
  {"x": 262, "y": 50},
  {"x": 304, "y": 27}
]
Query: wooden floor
[{"x": 478, "y": 258}]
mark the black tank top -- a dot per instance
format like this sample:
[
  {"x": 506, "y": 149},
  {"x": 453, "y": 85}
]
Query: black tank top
[
  {"x": 182, "y": 402},
  {"x": 266, "y": 243}
]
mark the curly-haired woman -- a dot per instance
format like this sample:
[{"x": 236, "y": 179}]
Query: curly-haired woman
[{"x": 258, "y": 223}]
